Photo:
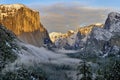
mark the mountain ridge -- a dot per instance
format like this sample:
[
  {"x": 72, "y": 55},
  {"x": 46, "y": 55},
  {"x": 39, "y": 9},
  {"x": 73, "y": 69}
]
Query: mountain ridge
[{"x": 83, "y": 31}]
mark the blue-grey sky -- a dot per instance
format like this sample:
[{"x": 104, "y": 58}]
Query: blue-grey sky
[
  {"x": 98, "y": 3},
  {"x": 63, "y": 15}
]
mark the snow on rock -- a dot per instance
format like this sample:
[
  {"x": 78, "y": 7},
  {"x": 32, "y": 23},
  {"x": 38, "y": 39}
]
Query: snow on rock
[
  {"x": 60, "y": 43},
  {"x": 10, "y": 8},
  {"x": 16, "y": 6},
  {"x": 56, "y": 35},
  {"x": 101, "y": 34},
  {"x": 72, "y": 39}
]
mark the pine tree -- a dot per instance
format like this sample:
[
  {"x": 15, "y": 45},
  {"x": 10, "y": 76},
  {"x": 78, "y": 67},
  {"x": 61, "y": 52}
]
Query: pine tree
[
  {"x": 84, "y": 69},
  {"x": 114, "y": 72},
  {"x": 110, "y": 70}
]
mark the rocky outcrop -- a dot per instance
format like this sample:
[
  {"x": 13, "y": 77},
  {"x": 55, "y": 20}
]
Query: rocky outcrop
[
  {"x": 101, "y": 34},
  {"x": 112, "y": 24},
  {"x": 24, "y": 22},
  {"x": 87, "y": 29}
]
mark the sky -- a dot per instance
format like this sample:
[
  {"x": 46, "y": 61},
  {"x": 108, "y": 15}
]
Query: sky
[
  {"x": 95, "y": 3},
  {"x": 64, "y": 15}
]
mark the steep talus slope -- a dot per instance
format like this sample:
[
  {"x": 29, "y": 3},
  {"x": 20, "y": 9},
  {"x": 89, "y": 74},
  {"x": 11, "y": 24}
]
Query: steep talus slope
[
  {"x": 36, "y": 37},
  {"x": 22, "y": 20}
]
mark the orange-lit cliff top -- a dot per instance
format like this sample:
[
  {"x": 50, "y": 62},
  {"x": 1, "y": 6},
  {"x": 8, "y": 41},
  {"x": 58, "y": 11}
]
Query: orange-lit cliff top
[
  {"x": 87, "y": 29},
  {"x": 19, "y": 18}
]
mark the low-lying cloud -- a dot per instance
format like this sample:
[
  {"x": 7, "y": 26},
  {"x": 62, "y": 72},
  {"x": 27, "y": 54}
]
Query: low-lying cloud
[{"x": 61, "y": 17}]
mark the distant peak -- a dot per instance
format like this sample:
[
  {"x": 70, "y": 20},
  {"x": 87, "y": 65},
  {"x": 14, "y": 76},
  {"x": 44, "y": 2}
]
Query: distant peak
[
  {"x": 98, "y": 24},
  {"x": 113, "y": 15},
  {"x": 113, "y": 22},
  {"x": 71, "y": 31}
]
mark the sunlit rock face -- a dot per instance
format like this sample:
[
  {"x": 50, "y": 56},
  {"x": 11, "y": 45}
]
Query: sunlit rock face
[
  {"x": 24, "y": 22},
  {"x": 56, "y": 35},
  {"x": 87, "y": 29}
]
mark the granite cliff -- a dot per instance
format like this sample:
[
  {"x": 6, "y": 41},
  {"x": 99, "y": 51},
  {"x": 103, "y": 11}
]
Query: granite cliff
[{"x": 24, "y": 22}]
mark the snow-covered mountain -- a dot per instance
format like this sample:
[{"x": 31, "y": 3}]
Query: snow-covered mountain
[
  {"x": 105, "y": 41},
  {"x": 98, "y": 39}
]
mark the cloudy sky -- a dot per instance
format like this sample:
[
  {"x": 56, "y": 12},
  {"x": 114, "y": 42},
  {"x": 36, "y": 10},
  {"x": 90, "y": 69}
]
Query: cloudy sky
[{"x": 63, "y": 15}]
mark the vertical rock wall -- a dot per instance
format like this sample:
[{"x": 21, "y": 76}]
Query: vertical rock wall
[{"x": 24, "y": 22}]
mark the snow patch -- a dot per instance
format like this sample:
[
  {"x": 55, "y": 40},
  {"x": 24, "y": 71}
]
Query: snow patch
[{"x": 11, "y": 6}]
